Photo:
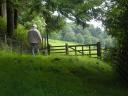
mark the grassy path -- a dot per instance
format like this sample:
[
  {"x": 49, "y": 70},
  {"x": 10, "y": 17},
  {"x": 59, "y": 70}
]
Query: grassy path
[{"x": 57, "y": 76}]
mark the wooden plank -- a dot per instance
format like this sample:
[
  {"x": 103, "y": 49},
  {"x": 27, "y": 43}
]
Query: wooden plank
[
  {"x": 83, "y": 45},
  {"x": 89, "y": 50},
  {"x": 90, "y": 54},
  {"x": 72, "y": 48},
  {"x": 82, "y": 50},
  {"x": 66, "y": 48},
  {"x": 57, "y": 46},
  {"x": 93, "y": 49},
  {"x": 49, "y": 49},
  {"x": 75, "y": 51},
  {"x": 56, "y": 49},
  {"x": 98, "y": 50}
]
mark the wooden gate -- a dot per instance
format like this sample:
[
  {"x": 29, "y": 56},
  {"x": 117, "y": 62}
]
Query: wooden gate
[{"x": 92, "y": 50}]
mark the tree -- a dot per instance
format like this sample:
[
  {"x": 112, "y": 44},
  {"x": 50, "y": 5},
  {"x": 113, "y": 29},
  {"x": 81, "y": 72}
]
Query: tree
[
  {"x": 2, "y": 7},
  {"x": 66, "y": 29},
  {"x": 10, "y": 19},
  {"x": 12, "y": 14},
  {"x": 8, "y": 6},
  {"x": 55, "y": 35},
  {"x": 79, "y": 38},
  {"x": 116, "y": 24},
  {"x": 70, "y": 36},
  {"x": 1, "y": 13}
]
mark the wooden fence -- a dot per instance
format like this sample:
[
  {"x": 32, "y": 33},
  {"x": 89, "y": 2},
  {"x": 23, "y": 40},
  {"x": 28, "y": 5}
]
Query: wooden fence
[{"x": 93, "y": 50}]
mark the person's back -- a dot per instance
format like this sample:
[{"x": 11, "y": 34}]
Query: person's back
[{"x": 34, "y": 38}]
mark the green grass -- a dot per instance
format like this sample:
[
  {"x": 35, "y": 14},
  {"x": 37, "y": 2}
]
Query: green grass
[
  {"x": 59, "y": 42},
  {"x": 57, "y": 76}
]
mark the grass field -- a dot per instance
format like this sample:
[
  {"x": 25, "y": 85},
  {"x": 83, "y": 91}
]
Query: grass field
[
  {"x": 57, "y": 76},
  {"x": 59, "y": 42}
]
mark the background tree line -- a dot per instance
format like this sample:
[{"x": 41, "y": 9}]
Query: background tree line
[{"x": 89, "y": 35}]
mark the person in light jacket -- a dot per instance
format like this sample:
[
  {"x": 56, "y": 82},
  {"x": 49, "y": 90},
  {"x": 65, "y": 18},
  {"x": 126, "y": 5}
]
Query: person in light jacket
[{"x": 34, "y": 38}]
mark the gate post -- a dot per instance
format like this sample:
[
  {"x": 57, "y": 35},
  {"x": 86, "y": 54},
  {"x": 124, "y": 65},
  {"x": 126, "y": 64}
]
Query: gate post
[
  {"x": 48, "y": 49},
  {"x": 98, "y": 50},
  {"x": 21, "y": 47},
  {"x": 66, "y": 48}
]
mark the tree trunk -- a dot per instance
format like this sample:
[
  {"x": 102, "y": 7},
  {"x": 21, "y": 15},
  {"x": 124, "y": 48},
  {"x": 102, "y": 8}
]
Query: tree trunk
[
  {"x": 1, "y": 11},
  {"x": 15, "y": 18},
  {"x": 10, "y": 19},
  {"x": 4, "y": 9},
  {"x": 47, "y": 38}
]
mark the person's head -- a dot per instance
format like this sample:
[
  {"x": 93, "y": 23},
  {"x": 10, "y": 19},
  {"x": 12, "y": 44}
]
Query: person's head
[{"x": 34, "y": 26}]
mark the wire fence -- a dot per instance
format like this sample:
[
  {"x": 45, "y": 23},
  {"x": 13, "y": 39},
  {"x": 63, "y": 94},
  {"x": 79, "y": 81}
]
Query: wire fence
[{"x": 11, "y": 44}]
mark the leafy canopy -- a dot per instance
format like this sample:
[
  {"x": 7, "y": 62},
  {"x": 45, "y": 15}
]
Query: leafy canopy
[{"x": 78, "y": 11}]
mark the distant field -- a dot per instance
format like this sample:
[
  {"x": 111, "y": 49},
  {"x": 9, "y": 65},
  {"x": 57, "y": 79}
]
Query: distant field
[{"x": 59, "y": 42}]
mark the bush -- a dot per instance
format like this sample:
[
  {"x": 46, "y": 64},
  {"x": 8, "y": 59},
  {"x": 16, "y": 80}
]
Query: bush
[
  {"x": 2, "y": 26},
  {"x": 39, "y": 21},
  {"x": 4, "y": 47},
  {"x": 20, "y": 34},
  {"x": 110, "y": 55}
]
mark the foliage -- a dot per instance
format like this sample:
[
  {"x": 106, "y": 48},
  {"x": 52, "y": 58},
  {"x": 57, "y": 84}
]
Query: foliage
[
  {"x": 39, "y": 21},
  {"x": 117, "y": 23},
  {"x": 55, "y": 35},
  {"x": 21, "y": 33},
  {"x": 79, "y": 38},
  {"x": 109, "y": 55},
  {"x": 79, "y": 11},
  {"x": 21, "y": 36},
  {"x": 89, "y": 35},
  {"x": 4, "y": 47},
  {"x": 69, "y": 36},
  {"x": 2, "y": 25},
  {"x": 116, "y": 20}
]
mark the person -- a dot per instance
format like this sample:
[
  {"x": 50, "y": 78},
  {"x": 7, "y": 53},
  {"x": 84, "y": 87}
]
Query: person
[{"x": 34, "y": 38}]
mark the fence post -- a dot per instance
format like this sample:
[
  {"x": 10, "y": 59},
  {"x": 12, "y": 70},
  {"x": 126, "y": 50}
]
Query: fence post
[
  {"x": 89, "y": 50},
  {"x": 75, "y": 50},
  {"x": 49, "y": 49},
  {"x": 98, "y": 50},
  {"x": 5, "y": 39},
  {"x": 82, "y": 50},
  {"x": 66, "y": 48},
  {"x": 11, "y": 46},
  {"x": 21, "y": 49}
]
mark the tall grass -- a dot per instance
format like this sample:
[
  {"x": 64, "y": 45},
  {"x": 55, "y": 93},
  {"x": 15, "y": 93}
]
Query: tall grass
[{"x": 57, "y": 76}]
